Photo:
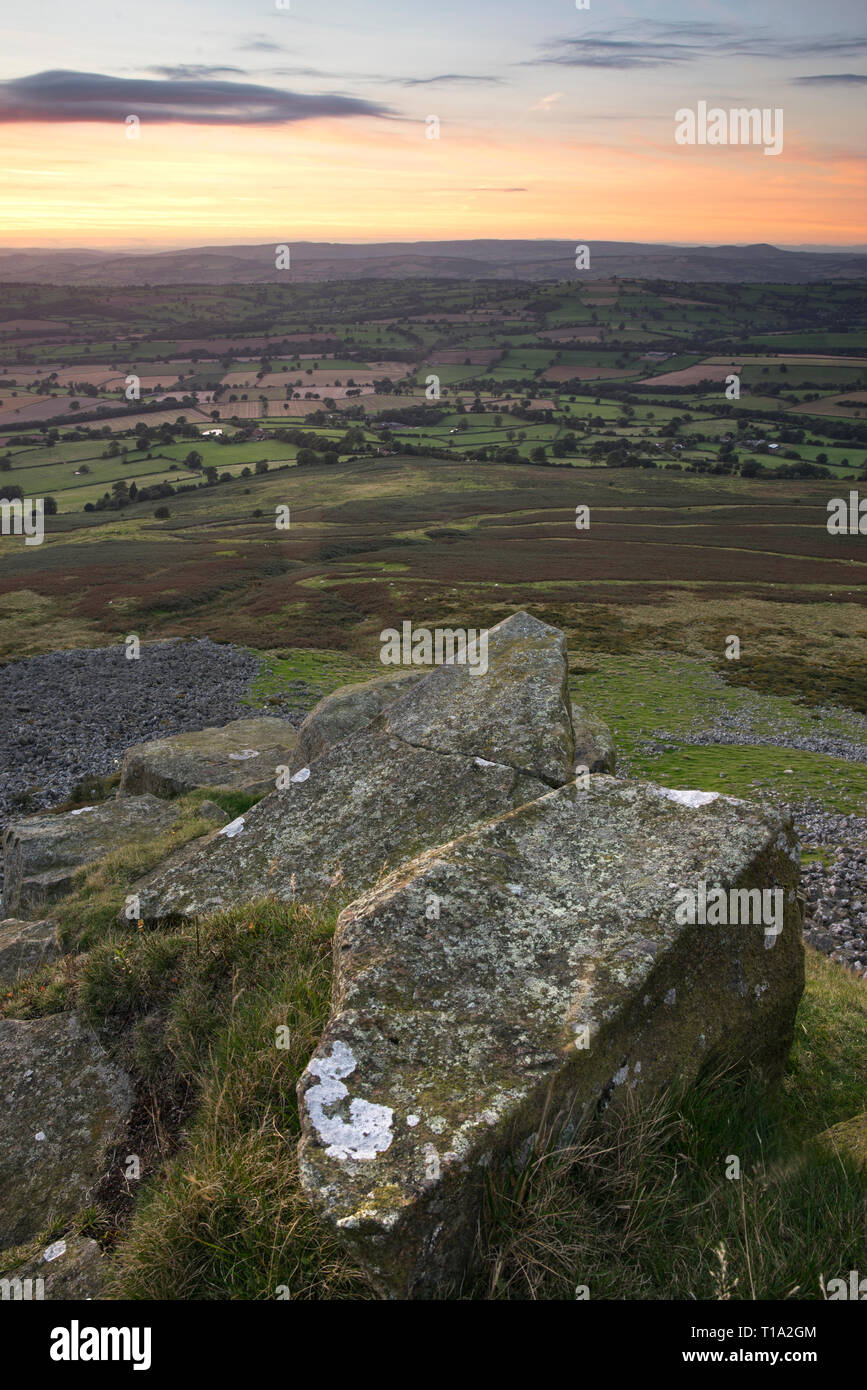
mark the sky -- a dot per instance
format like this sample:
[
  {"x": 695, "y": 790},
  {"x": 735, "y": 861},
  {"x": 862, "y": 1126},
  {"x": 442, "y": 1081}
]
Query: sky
[{"x": 210, "y": 122}]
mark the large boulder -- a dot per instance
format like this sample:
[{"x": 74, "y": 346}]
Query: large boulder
[
  {"x": 65, "y": 1106},
  {"x": 24, "y": 946},
  {"x": 516, "y": 712},
  {"x": 594, "y": 742},
  {"x": 346, "y": 711},
  {"x": 521, "y": 977},
  {"x": 364, "y": 806},
  {"x": 243, "y": 755},
  {"x": 456, "y": 750},
  {"x": 41, "y": 854}
]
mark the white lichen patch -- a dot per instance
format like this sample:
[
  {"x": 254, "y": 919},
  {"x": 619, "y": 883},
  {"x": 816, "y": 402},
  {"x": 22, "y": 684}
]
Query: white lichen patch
[
  {"x": 368, "y": 1130},
  {"x": 233, "y": 828},
  {"x": 688, "y": 798},
  {"x": 244, "y": 754},
  {"x": 301, "y": 776}
]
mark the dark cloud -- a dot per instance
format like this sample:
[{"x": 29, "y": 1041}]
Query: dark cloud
[
  {"x": 658, "y": 43},
  {"x": 263, "y": 46},
  {"x": 194, "y": 71},
  {"x": 831, "y": 79},
  {"x": 89, "y": 96},
  {"x": 445, "y": 77}
]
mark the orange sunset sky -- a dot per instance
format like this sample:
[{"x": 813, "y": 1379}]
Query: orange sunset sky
[{"x": 260, "y": 122}]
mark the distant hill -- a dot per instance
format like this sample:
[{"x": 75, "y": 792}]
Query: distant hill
[{"x": 453, "y": 260}]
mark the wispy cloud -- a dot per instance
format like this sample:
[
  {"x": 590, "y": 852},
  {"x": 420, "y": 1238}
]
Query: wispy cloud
[
  {"x": 831, "y": 79},
  {"x": 195, "y": 71},
  {"x": 659, "y": 43},
  {"x": 545, "y": 103},
  {"x": 255, "y": 44},
  {"x": 89, "y": 96},
  {"x": 446, "y": 77}
]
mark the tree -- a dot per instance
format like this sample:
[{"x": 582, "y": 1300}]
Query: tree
[
  {"x": 193, "y": 459},
  {"x": 162, "y": 513},
  {"x": 262, "y": 466}
]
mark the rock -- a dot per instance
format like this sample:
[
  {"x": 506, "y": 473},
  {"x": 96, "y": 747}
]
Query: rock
[
  {"x": 849, "y": 1139},
  {"x": 346, "y": 711},
  {"x": 65, "y": 1106},
  {"x": 209, "y": 810},
  {"x": 24, "y": 946},
  {"x": 70, "y": 1268},
  {"x": 364, "y": 806},
  {"x": 454, "y": 1038},
  {"x": 594, "y": 742},
  {"x": 42, "y": 853},
  {"x": 242, "y": 755},
  {"x": 516, "y": 713}
]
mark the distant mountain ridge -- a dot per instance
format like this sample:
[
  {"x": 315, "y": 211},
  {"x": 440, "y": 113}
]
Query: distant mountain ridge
[{"x": 456, "y": 260}]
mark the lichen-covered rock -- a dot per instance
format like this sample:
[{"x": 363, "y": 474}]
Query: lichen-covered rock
[
  {"x": 243, "y": 755},
  {"x": 70, "y": 1267},
  {"x": 848, "y": 1139},
  {"x": 516, "y": 713},
  {"x": 24, "y": 946},
  {"x": 364, "y": 806},
  {"x": 522, "y": 975},
  {"x": 42, "y": 853},
  {"x": 65, "y": 1105},
  {"x": 594, "y": 741},
  {"x": 346, "y": 711}
]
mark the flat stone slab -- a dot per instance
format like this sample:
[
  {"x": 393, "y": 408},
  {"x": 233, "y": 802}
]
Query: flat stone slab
[
  {"x": 365, "y": 805},
  {"x": 42, "y": 853},
  {"x": 242, "y": 755},
  {"x": 346, "y": 711},
  {"x": 517, "y": 712},
  {"x": 65, "y": 1106},
  {"x": 68, "y": 1268},
  {"x": 525, "y": 974},
  {"x": 24, "y": 946}
]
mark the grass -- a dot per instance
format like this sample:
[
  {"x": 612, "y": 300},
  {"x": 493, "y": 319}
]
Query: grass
[
  {"x": 644, "y": 1207},
  {"x": 318, "y": 668},
  {"x": 234, "y": 1008},
  {"x": 785, "y": 774},
  {"x": 88, "y": 914}
]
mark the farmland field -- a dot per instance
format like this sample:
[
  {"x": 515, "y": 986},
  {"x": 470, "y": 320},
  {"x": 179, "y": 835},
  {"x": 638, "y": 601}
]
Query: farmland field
[{"x": 433, "y": 456}]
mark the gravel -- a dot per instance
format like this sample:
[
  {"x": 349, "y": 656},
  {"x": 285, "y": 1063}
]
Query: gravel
[
  {"x": 70, "y": 715},
  {"x": 835, "y": 920}
]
